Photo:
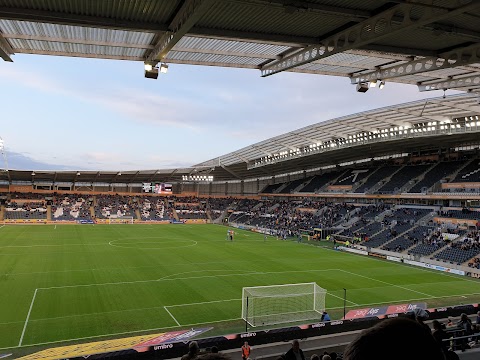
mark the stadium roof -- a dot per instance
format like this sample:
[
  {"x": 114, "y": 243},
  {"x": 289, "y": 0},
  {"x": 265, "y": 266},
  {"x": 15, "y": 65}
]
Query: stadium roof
[
  {"x": 409, "y": 41},
  {"x": 240, "y": 164}
]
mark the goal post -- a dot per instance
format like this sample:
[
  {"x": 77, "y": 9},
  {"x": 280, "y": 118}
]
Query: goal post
[
  {"x": 280, "y": 304},
  {"x": 121, "y": 220}
]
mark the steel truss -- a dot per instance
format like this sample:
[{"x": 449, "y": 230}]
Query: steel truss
[{"x": 389, "y": 22}]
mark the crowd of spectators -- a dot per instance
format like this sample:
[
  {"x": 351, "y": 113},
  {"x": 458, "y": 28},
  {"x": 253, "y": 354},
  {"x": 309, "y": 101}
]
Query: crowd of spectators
[
  {"x": 471, "y": 241},
  {"x": 155, "y": 208},
  {"x": 114, "y": 206},
  {"x": 71, "y": 208},
  {"x": 26, "y": 210}
]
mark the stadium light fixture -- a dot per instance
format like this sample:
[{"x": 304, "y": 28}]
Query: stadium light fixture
[
  {"x": 362, "y": 87},
  {"x": 151, "y": 70},
  {"x": 163, "y": 68},
  {"x": 33, "y": 173},
  {"x": 382, "y": 85},
  {"x": 373, "y": 83}
]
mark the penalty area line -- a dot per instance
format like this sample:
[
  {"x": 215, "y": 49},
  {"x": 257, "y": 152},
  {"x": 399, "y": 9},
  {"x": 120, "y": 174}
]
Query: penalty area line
[
  {"x": 28, "y": 317},
  {"x": 341, "y": 298},
  {"x": 173, "y": 317}
]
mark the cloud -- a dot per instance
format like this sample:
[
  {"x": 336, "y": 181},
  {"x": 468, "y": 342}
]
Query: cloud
[
  {"x": 17, "y": 161},
  {"x": 136, "y": 104}
]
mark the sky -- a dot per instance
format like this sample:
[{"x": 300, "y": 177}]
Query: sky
[{"x": 90, "y": 114}]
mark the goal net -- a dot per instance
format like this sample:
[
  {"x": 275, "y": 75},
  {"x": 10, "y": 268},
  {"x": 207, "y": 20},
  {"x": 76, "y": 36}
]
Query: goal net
[
  {"x": 279, "y": 304},
  {"x": 120, "y": 220}
]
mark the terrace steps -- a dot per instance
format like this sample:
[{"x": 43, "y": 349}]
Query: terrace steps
[
  {"x": 2, "y": 212},
  {"x": 92, "y": 210},
  {"x": 454, "y": 175},
  {"x": 49, "y": 212},
  {"x": 137, "y": 214},
  {"x": 406, "y": 188},
  {"x": 384, "y": 181},
  {"x": 364, "y": 180}
]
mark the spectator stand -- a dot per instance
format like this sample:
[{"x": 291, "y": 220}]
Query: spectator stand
[
  {"x": 25, "y": 209},
  {"x": 155, "y": 208},
  {"x": 71, "y": 208}
]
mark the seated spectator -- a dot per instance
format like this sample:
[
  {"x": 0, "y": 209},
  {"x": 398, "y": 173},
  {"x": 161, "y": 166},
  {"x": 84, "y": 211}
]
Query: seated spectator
[
  {"x": 394, "y": 339},
  {"x": 193, "y": 350}
]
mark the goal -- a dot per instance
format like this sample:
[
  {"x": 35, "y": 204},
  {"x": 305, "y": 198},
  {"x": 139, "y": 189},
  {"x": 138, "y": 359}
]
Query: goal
[
  {"x": 120, "y": 220},
  {"x": 279, "y": 304}
]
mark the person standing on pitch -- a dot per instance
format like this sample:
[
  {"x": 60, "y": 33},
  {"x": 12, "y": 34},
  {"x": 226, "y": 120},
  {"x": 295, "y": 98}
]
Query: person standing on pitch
[{"x": 246, "y": 351}]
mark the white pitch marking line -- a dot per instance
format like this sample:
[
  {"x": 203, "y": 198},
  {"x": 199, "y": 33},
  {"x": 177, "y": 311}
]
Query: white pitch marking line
[
  {"x": 186, "y": 278},
  {"x": 28, "y": 317},
  {"x": 384, "y": 282},
  {"x": 173, "y": 317},
  {"x": 203, "y": 302},
  {"x": 339, "y": 297},
  {"x": 2, "y": 226},
  {"x": 55, "y": 228}
]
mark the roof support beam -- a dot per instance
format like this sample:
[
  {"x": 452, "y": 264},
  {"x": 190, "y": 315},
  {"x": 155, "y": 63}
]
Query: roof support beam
[
  {"x": 453, "y": 58},
  {"x": 231, "y": 172},
  {"x": 190, "y": 12},
  {"x": 474, "y": 109},
  {"x": 387, "y": 23},
  {"x": 469, "y": 81},
  {"x": 5, "y": 49},
  {"x": 301, "y": 6},
  {"x": 77, "y": 41}
]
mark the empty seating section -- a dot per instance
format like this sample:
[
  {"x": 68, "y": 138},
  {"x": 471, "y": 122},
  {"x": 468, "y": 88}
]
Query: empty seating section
[
  {"x": 270, "y": 189},
  {"x": 471, "y": 173},
  {"x": 319, "y": 181},
  {"x": 114, "y": 206},
  {"x": 434, "y": 175},
  {"x": 155, "y": 208},
  {"x": 292, "y": 186},
  {"x": 25, "y": 210},
  {"x": 408, "y": 239},
  {"x": 402, "y": 177},
  {"x": 461, "y": 214},
  {"x": 428, "y": 245},
  {"x": 353, "y": 176},
  {"x": 71, "y": 208},
  {"x": 402, "y": 219},
  {"x": 376, "y": 177},
  {"x": 190, "y": 208}
]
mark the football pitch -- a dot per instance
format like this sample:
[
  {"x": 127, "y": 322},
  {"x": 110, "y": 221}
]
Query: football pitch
[{"x": 74, "y": 282}]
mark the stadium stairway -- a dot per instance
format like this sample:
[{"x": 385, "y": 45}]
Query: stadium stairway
[
  {"x": 467, "y": 163},
  {"x": 175, "y": 215},
  {"x": 209, "y": 215},
  {"x": 340, "y": 175},
  {"x": 376, "y": 187},
  {"x": 92, "y": 210},
  {"x": 2, "y": 212},
  {"x": 49, "y": 212},
  {"x": 411, "y": 183},
  {"x": 137, "y": 214},
  {"x": 364, "y": 180}
]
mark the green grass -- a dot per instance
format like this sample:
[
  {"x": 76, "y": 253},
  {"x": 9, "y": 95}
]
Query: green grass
[{"x": 107, "y": 281}]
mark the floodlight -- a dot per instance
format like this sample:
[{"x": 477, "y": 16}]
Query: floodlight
[
  {"x": 382, "y": 85},
  {"x": 33, "y": 173},
  {"x": 78, "y": 173},
  {"x": 163, "y": 68},
  {"x": 362, "y": 87},
  {"x": 151, "y": 70},
  {"x": 373, "y": 83}
]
